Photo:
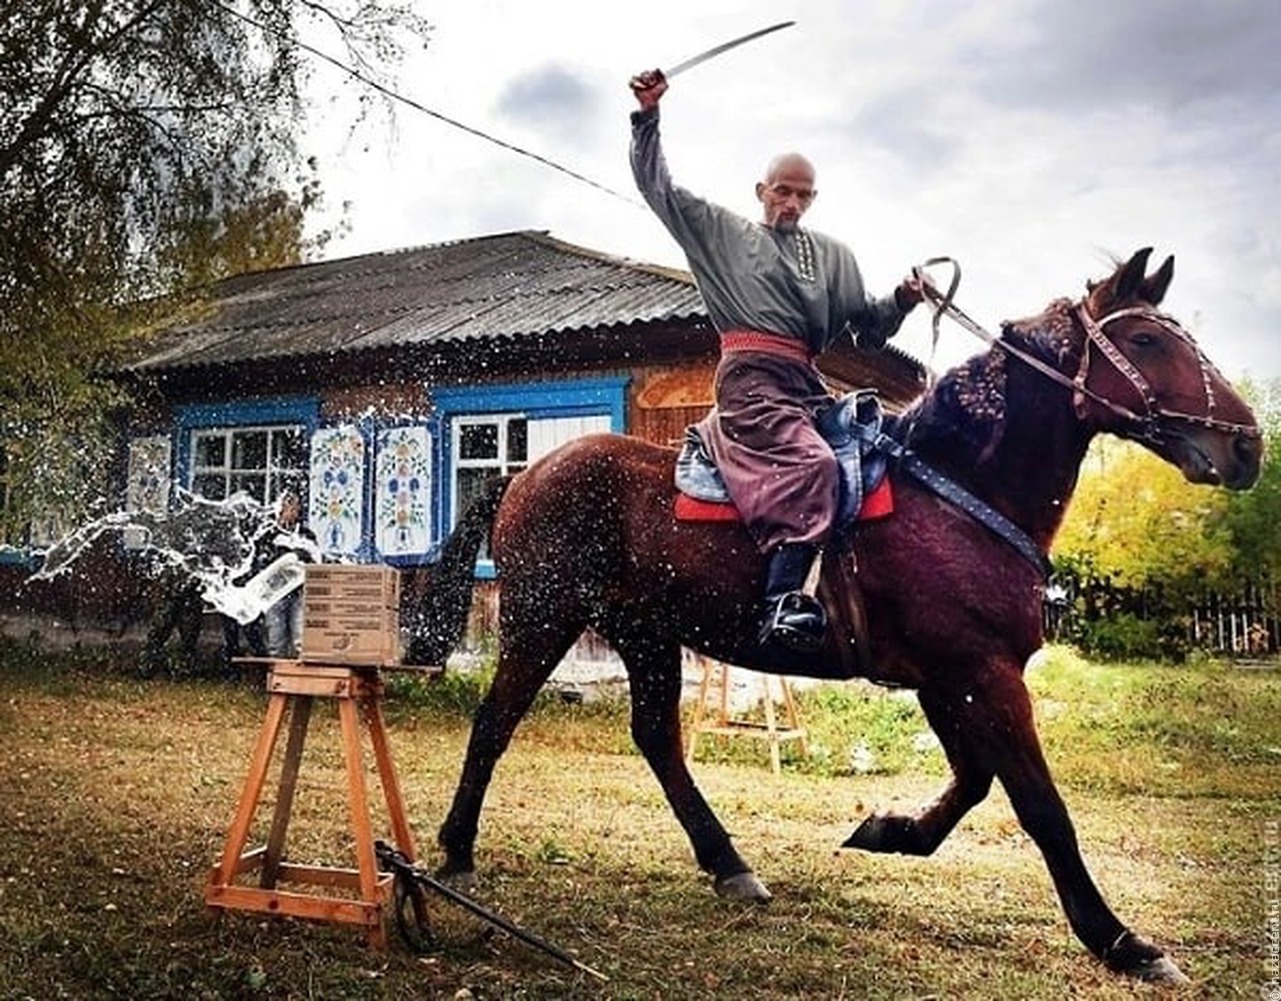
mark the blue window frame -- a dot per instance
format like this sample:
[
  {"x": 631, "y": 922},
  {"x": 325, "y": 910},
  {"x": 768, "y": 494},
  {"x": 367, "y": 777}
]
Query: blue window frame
[
  {"x": 506, "y": 409},
  {"x": 248, "y": 444}
]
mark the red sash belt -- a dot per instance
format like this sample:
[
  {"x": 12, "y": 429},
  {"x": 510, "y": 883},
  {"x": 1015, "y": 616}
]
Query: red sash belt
[{"x": 772, "y": 344}]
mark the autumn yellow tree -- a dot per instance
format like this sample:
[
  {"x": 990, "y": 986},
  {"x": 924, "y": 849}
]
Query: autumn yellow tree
[
  {"x": 1139, "y": 523},
  {"x": 1140, "y": 545}
]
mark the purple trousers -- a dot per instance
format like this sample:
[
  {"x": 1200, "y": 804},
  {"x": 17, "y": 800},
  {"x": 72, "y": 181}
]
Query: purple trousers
[{"x": 780, "y": 473}]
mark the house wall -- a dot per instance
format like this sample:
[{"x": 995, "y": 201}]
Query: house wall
[
  {"x": 112, "y": 593},
  {"x": 117, "y": 595}
]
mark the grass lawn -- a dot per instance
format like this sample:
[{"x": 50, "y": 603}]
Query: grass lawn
[{"x": 116, "y": 794}]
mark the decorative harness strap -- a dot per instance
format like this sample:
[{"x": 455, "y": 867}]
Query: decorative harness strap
[
  {"x": 954, "y": 493},
  {"x": 1148, "y": 421}
]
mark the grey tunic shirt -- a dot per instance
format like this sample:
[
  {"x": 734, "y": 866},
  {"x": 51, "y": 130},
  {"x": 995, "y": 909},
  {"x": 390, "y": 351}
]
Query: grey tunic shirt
[{"x": 801, "y": 284}]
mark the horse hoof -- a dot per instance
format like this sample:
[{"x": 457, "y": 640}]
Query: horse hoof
[
  {"x": 869, "y": 835},
  {"x": 1136, "y": 957},
  {"x": 743, "y": 886},
  {"x": 462, "y": 880},
  {"x": 886, "y": 832},
  {"x": 1161, "y": 970}
]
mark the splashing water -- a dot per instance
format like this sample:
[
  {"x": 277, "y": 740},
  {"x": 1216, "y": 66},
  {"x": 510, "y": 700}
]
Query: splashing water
[{"x": 211, "y": 542}]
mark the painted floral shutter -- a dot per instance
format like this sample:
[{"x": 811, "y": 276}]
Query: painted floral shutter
[
  {"x": 148, "y": 478},
  {"x": 402, "y": 492},
  {"x": 147, "y": 482},
  {"x": 336, "y": 502}
]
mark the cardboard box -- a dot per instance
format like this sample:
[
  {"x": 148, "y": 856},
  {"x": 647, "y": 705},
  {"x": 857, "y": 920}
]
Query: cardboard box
[{"x": 351, "y": 614}]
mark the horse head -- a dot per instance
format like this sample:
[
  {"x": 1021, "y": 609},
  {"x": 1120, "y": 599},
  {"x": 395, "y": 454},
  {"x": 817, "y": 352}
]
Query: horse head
[{"x": 1140, "y": 375}]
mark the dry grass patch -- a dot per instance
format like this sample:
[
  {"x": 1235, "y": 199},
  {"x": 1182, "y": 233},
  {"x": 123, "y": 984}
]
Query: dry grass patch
[{"x": 117, "y": 794}]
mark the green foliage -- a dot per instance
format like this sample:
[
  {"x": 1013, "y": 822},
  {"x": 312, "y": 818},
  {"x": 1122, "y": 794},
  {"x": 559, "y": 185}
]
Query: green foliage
[
  {"x": 1137, "y": 522},
  {"x": 1251, "y": 518},
  {"x": 857, "y": 728},
  {"x": 144, "y": 148},
  {"x": 1124, "y": 637},
  {"x": 852, "y": 728},
  {"x": 452, "y": 691},
  {"x": 1156, "y": 728},
  {"x": 1140, "y": 547}
]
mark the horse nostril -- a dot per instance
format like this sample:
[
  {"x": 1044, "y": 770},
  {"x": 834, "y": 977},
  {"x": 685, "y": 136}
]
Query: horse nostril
[{"x": 1247, "y": 449}]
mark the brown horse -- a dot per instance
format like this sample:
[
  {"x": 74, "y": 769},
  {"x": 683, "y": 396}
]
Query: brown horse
[{"x": 586, "y": 538}]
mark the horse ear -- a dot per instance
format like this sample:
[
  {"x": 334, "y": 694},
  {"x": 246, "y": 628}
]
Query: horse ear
[
  {"x": 1124, "y": 284},
  {"x": 1129, "y": 279},
  {"x": 1155, "y": 286}
]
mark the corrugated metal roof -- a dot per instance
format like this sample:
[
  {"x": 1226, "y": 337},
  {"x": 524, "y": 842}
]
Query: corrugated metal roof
[{"x": 509, "y": 285}]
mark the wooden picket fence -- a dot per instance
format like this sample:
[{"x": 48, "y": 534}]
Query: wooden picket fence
[
  {"x": 1243, "y": 624},
  {"x": 1246, "y": 623}
]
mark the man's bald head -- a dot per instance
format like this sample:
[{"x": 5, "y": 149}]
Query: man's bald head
[
  {"x": 791, "y": 164},
  {"x": 786, "y": 191}
]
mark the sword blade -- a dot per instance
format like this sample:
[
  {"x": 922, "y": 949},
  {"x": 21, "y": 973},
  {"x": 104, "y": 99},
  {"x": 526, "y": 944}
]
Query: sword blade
[{"x": 716, "y": 50}]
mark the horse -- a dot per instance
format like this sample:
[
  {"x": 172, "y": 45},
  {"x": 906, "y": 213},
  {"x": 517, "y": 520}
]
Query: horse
[{"x": 586, "y": 537}]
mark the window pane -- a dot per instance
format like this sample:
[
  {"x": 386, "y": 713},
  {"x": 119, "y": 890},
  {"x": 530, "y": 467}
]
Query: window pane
[
  {"x": 517, "y": 440},
  {"x": 249, "y": 450},
  {"x": 478, "y": 441},
  {"x": 254, "y": 484},
  {"x": 471, "y": 484},
  {"x": 287, "y": 448},
  {"x": 211, "y": 450},
  {"x": 291, "y": 481},
  {"x": 212, "y": 486}
]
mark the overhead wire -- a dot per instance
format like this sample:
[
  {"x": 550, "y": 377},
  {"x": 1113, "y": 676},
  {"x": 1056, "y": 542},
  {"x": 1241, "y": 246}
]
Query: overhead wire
[{"x": 395, "y": 95}]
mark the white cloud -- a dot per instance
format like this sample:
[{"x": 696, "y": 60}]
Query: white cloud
[{"x": 1028, "y": 139}]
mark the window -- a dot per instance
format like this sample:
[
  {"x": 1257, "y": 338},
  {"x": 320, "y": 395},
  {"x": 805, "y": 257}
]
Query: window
[
  {"x": 261, "y": 461},
  {"x": 496, "y": 430},
  {"x": 486, "y": 447}
]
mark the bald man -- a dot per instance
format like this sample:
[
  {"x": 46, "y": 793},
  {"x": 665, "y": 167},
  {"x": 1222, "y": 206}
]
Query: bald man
[{"x": 777, "y": 294}]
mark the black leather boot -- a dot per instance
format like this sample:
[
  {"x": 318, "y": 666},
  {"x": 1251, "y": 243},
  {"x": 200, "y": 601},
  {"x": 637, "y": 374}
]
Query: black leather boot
[{"x": 792, "y": 619}]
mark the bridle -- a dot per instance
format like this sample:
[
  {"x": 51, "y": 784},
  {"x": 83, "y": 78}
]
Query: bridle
[{"x": 1148, "y": 423}]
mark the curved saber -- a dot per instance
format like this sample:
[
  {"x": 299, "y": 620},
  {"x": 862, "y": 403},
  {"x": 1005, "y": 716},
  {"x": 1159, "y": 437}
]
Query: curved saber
[{"x": 716, "y": 50}]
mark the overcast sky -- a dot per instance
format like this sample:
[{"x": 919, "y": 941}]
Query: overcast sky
[{"x": 1032, "y": 140}]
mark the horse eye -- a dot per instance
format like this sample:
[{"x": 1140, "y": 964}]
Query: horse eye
[{"x": 1143, "y": 339}]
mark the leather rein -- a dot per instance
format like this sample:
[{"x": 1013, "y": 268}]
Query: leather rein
[{"x": 1149, "y": 422}]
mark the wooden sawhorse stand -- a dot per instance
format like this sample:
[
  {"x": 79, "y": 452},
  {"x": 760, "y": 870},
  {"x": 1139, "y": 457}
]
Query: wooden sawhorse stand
[
  {"x": 712, "y": 713},
  {"x": 295, "y": 685}
]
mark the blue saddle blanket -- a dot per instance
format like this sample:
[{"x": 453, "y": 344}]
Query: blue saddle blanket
[{"x": 850, "y": 425}]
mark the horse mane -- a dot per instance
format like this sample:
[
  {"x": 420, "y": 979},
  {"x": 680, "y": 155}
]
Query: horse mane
[{"x": 966, "y": 410}]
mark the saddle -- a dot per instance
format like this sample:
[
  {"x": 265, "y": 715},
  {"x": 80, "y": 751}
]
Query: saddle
[{"x": 850, "y": 426}]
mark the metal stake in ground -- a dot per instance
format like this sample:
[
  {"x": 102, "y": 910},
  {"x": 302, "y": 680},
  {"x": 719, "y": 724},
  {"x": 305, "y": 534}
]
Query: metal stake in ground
[{"x": 410, "y": 877}]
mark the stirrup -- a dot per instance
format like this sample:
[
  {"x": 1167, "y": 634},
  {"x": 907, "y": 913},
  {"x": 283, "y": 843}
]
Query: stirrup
[{"x": 794, "y": 621}]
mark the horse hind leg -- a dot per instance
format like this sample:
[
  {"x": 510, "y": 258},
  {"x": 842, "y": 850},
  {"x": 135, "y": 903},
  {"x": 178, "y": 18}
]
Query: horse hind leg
[
  {"x": 653, "y": 668},
  {"x": 527, "y": 656},
  {"x": 923, "y": 832}
]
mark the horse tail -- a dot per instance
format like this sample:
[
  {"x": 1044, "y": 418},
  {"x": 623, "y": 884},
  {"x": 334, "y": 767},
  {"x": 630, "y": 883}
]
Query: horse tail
[{"x": 437, "y": 624}]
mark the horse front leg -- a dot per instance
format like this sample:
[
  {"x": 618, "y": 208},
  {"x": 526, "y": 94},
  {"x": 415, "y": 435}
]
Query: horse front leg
[
  {"x": 526, "y": 659},
  {"x": 997, "y": 719},
  {"x": 654, "y": 669},
  {"x": 923, "y": 832}
]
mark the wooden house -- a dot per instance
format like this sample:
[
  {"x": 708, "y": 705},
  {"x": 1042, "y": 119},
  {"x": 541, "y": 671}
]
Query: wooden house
[{"x": 388, "y": 387}]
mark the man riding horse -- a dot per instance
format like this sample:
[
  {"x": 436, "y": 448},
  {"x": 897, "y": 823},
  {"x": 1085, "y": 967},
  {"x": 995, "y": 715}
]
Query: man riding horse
[{"x": 778, "y": 295}]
